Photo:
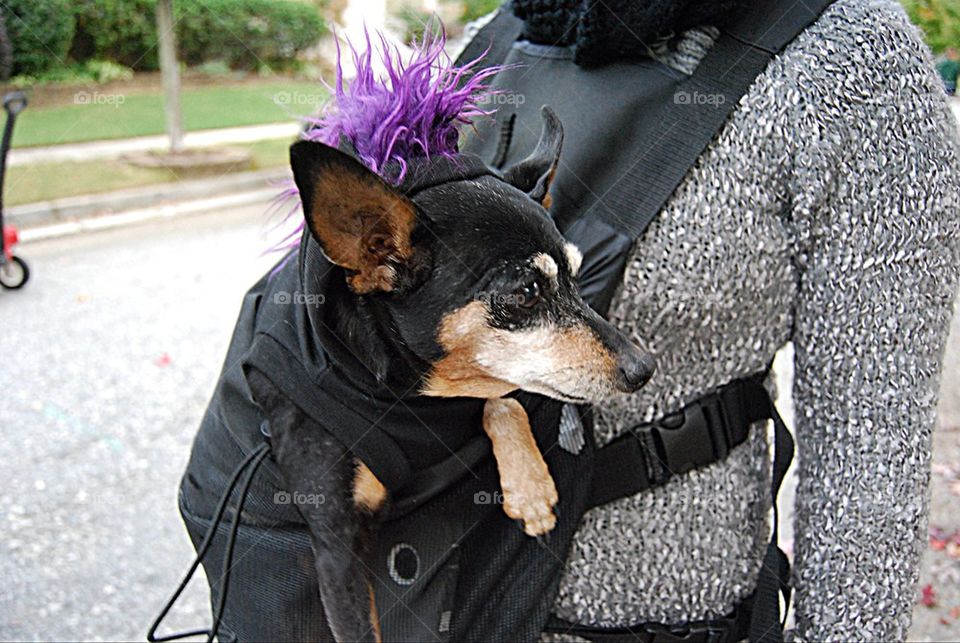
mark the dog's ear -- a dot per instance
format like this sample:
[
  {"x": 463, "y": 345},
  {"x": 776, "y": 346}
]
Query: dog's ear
[
  {"x": 362, "y": 224},
  {"x": 534, "y": 174}
]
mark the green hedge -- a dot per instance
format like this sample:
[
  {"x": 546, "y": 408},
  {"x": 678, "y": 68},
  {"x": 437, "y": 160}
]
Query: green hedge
[
  {"x": 245, "y": 34},
  {"x": 938, "y": 19},
  {"x": 473, "y": 9},
  {"x": 122, "y": 31},
  {"x": 41, "y": 32}
]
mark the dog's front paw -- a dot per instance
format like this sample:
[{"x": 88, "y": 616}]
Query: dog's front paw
[
  {"x": 528, "y": 490},
  {"x": 531, "y": 498}
]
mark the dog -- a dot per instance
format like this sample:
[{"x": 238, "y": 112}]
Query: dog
[{"x": 475, "y": 275}]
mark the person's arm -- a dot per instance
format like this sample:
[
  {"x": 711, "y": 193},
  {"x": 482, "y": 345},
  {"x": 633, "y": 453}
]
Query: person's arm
[{"x": 879, "y": 227}]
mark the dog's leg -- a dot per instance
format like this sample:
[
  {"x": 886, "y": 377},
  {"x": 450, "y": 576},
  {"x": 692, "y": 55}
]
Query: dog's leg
[
  {"x": 320, "y": 475},
  {"x": 529, "y": 493},
  {"x": 369, "y": 494},
  {"x": 369, "y": 497}
]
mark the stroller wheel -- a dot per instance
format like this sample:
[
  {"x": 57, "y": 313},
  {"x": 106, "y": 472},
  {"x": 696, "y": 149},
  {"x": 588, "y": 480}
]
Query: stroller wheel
[{"x": 14, "y": 273}]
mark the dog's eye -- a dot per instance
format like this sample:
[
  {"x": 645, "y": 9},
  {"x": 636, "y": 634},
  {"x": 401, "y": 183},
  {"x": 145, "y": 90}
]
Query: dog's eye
[{"x": 528, "y": 296}]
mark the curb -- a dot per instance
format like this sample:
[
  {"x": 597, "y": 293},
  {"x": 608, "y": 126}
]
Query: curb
[
  {"x": 70, "y": 210},
  {"x": 165, "y": 211},
  {"x": 113, "y": 148}
]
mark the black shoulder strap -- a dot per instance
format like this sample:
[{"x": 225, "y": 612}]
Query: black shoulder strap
[
  {"x": 700, "y": 106},
  {"x": 701, "y": 433},
  {"x": 722, "y": 78},
  {"x": 767, "y": 621}
]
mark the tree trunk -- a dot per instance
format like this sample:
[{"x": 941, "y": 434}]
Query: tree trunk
[
  {"x": 170, "y": 70},
  {"x": 6, "y": 51}
]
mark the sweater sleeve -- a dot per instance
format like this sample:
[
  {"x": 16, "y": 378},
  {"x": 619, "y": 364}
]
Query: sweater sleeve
[{"x": 877, "y": 230}]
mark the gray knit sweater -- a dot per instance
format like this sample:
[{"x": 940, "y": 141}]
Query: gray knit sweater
[{"x": 826, "y": 213}]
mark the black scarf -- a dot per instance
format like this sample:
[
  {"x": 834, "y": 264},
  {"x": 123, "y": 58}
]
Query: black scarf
[{"x": 602, "y": 31}]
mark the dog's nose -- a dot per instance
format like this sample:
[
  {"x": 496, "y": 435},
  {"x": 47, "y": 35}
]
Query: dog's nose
[{"x": 634, "y": 369}]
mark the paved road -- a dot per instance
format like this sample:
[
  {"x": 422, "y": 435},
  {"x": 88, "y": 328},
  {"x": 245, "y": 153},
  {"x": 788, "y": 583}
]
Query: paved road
[
  {"x": 110, "y": 354},
  {"x": 97, "y": 425}
]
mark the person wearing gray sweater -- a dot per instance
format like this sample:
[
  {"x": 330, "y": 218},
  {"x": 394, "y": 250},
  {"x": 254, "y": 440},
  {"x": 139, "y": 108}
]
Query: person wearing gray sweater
[{"x": 825, "y": 213}]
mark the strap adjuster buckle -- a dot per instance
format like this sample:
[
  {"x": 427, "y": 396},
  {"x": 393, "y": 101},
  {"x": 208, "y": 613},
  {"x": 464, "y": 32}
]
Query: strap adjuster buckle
[{"x": 690, "y": 438}]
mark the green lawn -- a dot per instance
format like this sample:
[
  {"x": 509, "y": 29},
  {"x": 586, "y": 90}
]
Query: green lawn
[
  {"x": 105, "y": 115},
  {"x": 45, "y": 181}
]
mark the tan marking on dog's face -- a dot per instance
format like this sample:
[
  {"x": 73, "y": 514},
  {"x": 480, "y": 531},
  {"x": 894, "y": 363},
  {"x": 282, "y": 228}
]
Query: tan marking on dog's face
[
  {"x": 574, "y": 258},
  {"x": 547, "y": 265},
  {"x": 568, "y": 363},
  {"x": 368, "y": 492},
  {"x": 457, "y": 373}
]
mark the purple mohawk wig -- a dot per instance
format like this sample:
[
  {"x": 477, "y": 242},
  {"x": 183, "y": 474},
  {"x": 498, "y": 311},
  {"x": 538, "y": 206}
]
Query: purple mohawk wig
[{"x": 415, "y": 109}]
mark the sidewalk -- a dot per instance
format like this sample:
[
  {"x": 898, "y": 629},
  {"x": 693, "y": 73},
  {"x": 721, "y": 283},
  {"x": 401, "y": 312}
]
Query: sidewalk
[
  {"x": 47, "y": 219},
  {"x": 97, "y": 211},
  {"x": 70, "y": 215},
  {"x": 119, "y": 147}
]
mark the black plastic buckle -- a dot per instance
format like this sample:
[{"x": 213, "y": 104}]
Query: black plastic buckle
[{"x": 690, "y": 438}]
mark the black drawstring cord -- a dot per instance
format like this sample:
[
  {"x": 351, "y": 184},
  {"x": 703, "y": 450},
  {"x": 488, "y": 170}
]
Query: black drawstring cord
[
  {"x": 253, "y": 460},
  {"x": 262, "y": 451}
]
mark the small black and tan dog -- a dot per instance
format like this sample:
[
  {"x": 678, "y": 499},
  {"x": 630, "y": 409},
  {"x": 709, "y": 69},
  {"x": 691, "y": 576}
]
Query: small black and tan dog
[{"x": 475, "y": 275}]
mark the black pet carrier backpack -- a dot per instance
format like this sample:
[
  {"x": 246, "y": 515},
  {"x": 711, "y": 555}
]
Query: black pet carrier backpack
[{"x": 450, "y": 566}]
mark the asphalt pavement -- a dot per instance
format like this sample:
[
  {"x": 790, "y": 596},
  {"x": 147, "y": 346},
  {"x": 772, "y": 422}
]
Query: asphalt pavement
[{"x": 108, "y": 357}]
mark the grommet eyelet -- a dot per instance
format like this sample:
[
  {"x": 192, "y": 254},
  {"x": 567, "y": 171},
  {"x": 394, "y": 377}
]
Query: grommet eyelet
[{"x": 403, "y": 564}]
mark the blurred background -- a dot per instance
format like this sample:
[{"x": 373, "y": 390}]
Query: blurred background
[{"x": 150, "y": 137}]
